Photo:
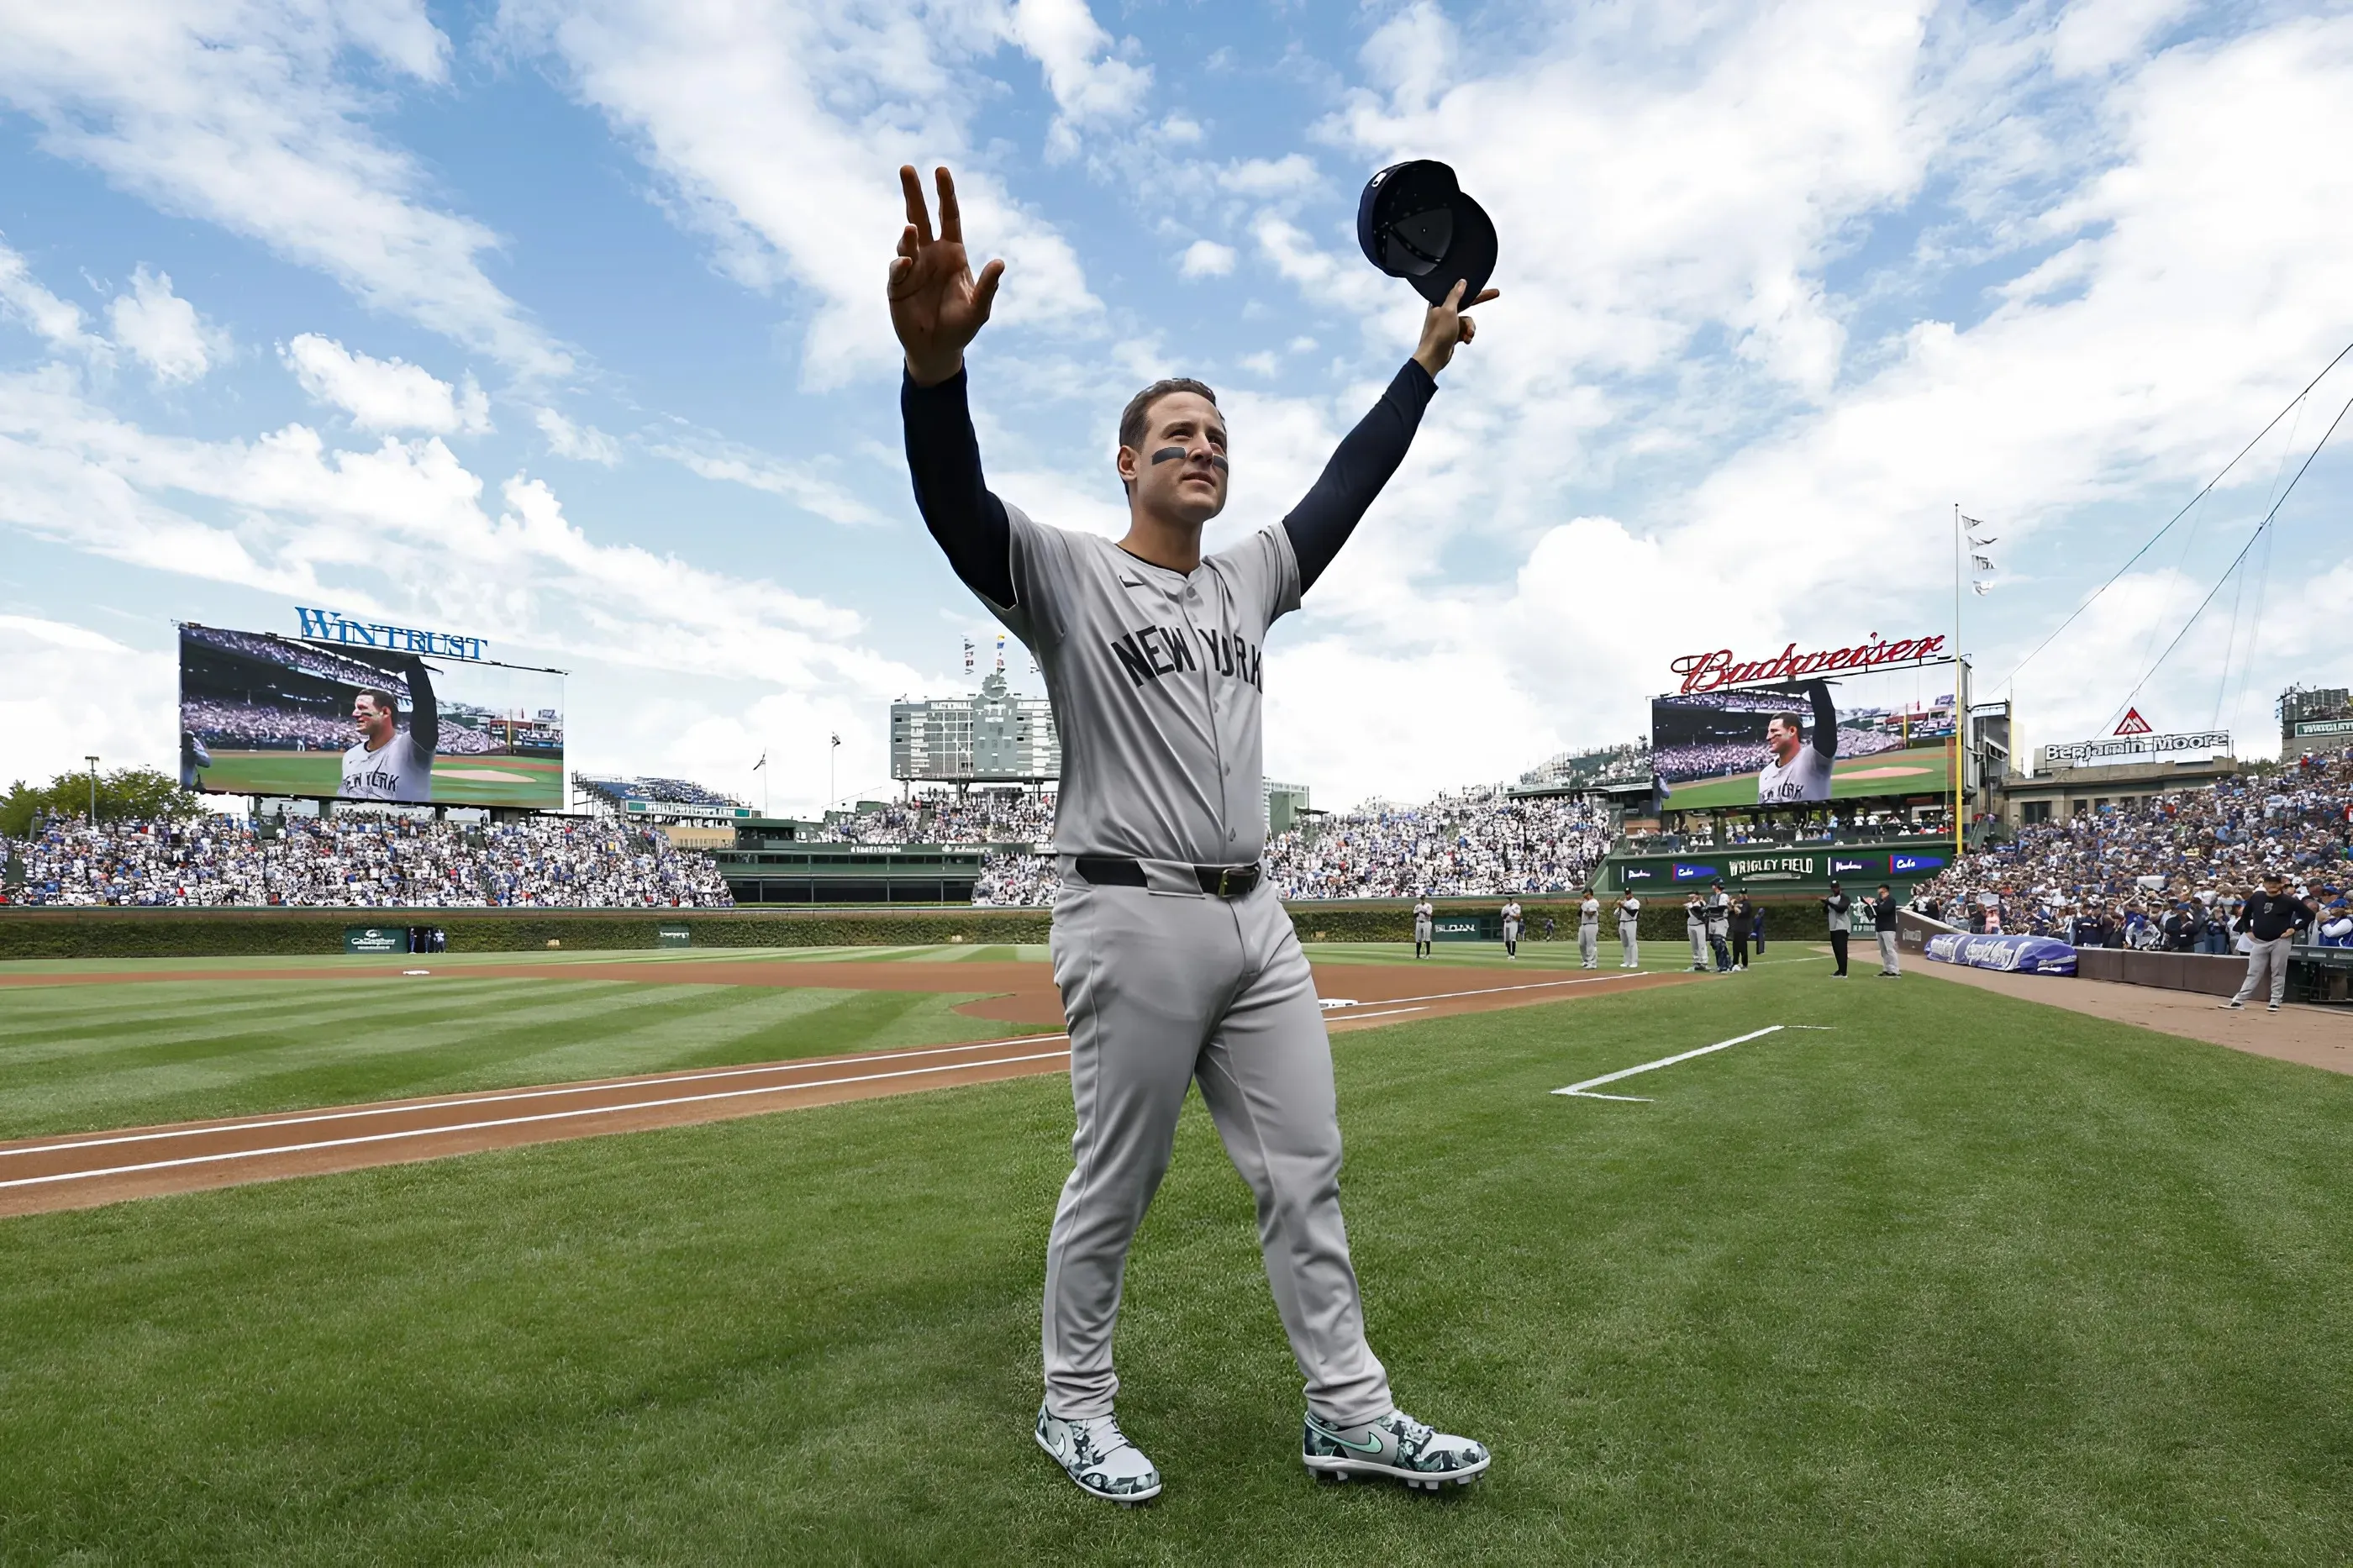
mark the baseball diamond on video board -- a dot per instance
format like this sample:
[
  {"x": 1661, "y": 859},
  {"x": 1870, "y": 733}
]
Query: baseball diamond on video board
[
  {"x": 1882, "y": 733},
  {"x": 269, "y": 715}
]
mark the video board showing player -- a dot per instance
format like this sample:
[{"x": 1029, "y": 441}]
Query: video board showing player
[
  {"x": 276, "y": 715},
  {"x": 1883, "y": 733}
]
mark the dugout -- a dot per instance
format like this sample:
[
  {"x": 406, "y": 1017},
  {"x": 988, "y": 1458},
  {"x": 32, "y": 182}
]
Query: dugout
[{"x": 790, "y": 872}]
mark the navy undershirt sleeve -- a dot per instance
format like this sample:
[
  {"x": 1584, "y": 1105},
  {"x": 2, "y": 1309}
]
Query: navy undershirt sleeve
[
  {"x": 944, "y": 459},
  {"x": 1825, "y": 721},
  {"x": 1322, "y": 523}
]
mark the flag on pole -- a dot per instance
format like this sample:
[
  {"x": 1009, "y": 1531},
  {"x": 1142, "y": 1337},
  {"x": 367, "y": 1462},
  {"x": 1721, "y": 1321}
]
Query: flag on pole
[
  {"x": 968, "y": 655},
  {"x": 761, "y": 763},
  {"x": 1981, "y": 563},
  {"x": 1982, "y": 587},
  {"x": 836, "y": 739}
]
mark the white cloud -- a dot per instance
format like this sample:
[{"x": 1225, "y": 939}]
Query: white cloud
[
  {"x": 780, "y": 133},
  {"x": 1089, "y": 84},
  {"x": 1206, "y": 258},
  {"x": 73, "y": 691},
  {"x": 386, "y": 393},
  {"x": 22, "y": 299},
  {"x": 797, "y": 482},
  {"x": 1263, "y": 179},
  {"x": 164, "y": 330},
  {"x": 581, "y": 443},
  {"x": 237, "y": 112}
]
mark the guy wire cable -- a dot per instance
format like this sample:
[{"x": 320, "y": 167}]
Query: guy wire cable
[
  {"x": 2260, "y": 530},
  {"x": 2178, "y": 516}
]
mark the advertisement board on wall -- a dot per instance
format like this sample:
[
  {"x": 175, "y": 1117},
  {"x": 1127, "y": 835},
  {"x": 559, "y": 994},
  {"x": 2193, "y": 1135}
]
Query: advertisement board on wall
[
  {"x": 277, "y": 716},
  {"x": 1878, "y": 732}
]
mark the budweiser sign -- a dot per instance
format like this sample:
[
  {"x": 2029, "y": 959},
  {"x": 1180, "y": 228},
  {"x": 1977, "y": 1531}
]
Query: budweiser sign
[{"x": 1707, "y": 671}]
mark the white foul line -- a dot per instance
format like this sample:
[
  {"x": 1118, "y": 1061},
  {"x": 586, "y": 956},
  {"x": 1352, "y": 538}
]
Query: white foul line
[
  {"x": 452, "y": 1102},
  {"x": 1581, "y": 1090},
  {"x": 513, "y": 1122}
]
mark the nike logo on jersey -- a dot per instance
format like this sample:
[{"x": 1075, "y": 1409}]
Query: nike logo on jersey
[{"x": 1150, "y": 652}]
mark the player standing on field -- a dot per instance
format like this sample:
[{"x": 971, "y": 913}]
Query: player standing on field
[
  {"x": 1630, "y": 932},
  {"x": 386, "y": 764},
  {"x": 1511, "y": 928},
  {"x": 1589, "y": 931},
  {"x": 1175, "y": 959},
  {"x": 1422, "y": 929}
]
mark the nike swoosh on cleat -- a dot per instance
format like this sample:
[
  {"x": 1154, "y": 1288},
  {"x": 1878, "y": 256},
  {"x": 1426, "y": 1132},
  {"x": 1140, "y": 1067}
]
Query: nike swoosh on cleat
[{"x": 1373, "y": 1447}]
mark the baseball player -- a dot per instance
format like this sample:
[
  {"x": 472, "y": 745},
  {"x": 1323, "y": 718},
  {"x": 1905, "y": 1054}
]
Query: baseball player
[
  {"x": 1799, "y": 771},
  {"x": 1589, "y": 931},
  {"x": 1512, "y": 924},
  {"x": 1175, "y": 959},
  {"x": 1719, "y": 925},
  {"x": 1423, "y": 914},
  {"x": 1630, "y": 932},
  {"x": 386, "y": 764}
]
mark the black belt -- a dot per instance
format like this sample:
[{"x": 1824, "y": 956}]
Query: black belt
[{"x": 1224, "y": 881}]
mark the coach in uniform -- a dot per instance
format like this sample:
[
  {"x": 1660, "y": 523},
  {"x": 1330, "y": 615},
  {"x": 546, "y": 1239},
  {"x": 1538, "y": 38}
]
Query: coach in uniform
[
  {"x": 1719, "y": 927},
  {"x": 1695, "y": 927},
  {"x": 386, "y": 764},
  {"x": 1630, "y": 932},
  {"x": 1588, "y": 931},
  {"x": 1834, "y": 909},
  {"x": 1422, "y": 928},
  {"x": 1513, "y": 925},
  {"x": 1175, "y": 959}
]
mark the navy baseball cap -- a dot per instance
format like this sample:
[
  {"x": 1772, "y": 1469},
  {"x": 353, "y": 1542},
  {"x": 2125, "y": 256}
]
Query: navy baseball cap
[{"x": 1414, "y": 222}]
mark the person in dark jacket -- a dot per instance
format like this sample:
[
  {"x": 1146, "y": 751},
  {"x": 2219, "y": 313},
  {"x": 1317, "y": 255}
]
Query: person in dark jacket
[
  {"x": 1744, "y": 916},
  {"x": 1883, "y": 926},
  {"x": 1834, "y": 909},
  {"x": 2270, "y": 922}
]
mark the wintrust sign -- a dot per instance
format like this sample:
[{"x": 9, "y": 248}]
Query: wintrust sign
[{"x": 1712, "y": 671}]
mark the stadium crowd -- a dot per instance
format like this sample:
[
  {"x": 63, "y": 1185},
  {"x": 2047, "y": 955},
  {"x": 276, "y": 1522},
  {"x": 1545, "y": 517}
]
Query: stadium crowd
[
  {"x": 979, "y": 819},
  {"x": 2170, "y": 873},
  {"x": 1472, "y": 843},
  {"x": 362, "y": 862}
]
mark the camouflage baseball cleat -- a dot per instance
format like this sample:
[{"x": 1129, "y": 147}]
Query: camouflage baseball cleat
[
  {"x": 1099, "y": 1457},
  {"x": 1398, "y": 1445}
]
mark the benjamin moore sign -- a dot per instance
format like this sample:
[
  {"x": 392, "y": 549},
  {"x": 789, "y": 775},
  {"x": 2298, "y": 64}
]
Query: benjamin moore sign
[{"x": 2134, "y": 748}]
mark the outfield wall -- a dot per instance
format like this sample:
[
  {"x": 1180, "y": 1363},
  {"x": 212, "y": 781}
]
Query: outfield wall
[{"x": 223, "y": 933}]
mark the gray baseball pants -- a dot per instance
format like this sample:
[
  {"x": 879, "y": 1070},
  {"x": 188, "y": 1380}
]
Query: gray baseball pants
[
  {"x": 2269, "y": 959},
  {"x": 1589, "y": 945},
  {"x": 1699, "y": 944},
  {"x": 1163, "y": 990},
  {"x": 1888, "y": 961},
  {"x": 1627, "y": 940}
]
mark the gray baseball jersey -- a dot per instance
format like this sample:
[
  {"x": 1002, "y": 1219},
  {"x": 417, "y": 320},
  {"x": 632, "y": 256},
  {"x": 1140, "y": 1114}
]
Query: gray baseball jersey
[
  {"x": 1157, "y": 684},
  {"x": 394, "y": 772}
]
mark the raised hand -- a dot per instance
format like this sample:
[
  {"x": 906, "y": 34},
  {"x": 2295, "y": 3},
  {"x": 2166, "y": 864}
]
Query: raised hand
[
  {"x": 1443, "y": 328},
  {"x": 936, "y": 305}
]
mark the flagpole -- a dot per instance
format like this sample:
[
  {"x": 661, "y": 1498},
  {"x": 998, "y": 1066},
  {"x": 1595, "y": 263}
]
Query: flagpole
[{"x": 1961, "y": 708}]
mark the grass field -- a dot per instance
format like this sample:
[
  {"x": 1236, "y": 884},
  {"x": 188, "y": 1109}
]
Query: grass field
[
  {"x": 460, "y": 780},
  {"x": 1955, "y": 1277},
  {"x": 1917, "y": 770}
]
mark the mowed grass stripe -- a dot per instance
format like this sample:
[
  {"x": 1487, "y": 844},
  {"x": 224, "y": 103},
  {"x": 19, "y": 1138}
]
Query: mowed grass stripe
[
  {"x": 436, "y": 1037},
  {"x": 84, "y": 1018},
  {"x": 1957, "y": 1279}
]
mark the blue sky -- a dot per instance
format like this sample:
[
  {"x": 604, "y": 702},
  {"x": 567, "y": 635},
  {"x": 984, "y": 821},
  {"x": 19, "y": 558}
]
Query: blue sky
[{"x": 562, "y": 325}]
